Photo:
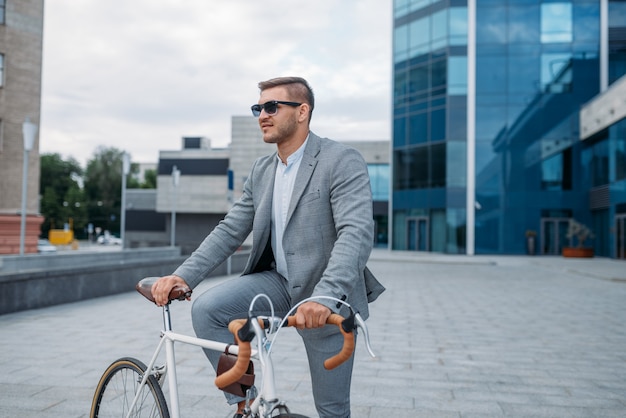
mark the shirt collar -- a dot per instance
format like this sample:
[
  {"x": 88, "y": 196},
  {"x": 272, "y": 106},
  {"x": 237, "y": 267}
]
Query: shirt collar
[{"x": 296, "y": 156}]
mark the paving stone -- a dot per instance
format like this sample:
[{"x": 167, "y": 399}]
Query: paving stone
[{"x": 455, "y": 336}]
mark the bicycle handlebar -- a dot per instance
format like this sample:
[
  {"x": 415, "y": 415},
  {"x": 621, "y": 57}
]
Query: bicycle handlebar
[{"x": 243, "y": 359}]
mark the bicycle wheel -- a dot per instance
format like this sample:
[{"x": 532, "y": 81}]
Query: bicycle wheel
[{"x": 117, "y": 388}]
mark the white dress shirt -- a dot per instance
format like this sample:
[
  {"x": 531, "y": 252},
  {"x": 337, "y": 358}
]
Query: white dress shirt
[{"x": 283, "y": 188}]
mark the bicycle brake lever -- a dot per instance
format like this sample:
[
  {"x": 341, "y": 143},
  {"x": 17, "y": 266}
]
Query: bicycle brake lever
[{"x": 361, "y": 324}]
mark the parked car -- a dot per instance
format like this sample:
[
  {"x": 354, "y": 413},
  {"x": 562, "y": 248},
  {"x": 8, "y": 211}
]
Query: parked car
[
  {"x": 109, "y": 240},
  {"x": 44, "y": 246}
]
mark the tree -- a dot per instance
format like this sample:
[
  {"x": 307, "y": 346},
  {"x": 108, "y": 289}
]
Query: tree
[
  {"x": 149, "y": 180},
  {"x": 62, "y": 194},
  {"x": 103, "y": 187}
]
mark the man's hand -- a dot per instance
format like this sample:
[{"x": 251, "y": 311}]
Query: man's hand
[
  {"x": 311, "y": 315},
  {"x": 161, "y": 288}
]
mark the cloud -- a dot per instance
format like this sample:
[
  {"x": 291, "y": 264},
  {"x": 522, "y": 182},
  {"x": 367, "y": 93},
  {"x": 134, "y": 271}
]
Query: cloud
[{"x": 139, "y": 75}]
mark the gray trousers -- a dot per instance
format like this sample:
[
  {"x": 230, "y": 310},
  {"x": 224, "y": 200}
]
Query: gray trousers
[{"x": 215, "y": 308}]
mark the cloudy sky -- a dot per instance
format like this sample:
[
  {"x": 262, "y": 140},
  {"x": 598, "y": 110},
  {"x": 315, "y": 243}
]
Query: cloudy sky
[{"x": 140, "y": 74}]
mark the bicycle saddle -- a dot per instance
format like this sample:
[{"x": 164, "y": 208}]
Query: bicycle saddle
[{"x": 145, "y": 288}]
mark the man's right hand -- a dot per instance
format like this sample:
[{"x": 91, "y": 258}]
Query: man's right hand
[{"x": 161, "y": 288}]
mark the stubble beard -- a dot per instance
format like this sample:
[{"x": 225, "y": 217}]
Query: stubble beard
[{"x": 283, "y": 132}]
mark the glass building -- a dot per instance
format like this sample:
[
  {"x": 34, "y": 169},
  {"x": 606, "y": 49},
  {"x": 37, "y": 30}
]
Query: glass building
[{"x": 487, "y": 152}]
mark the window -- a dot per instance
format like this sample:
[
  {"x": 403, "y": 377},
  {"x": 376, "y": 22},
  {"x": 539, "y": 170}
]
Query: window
[
  {"x": 439, "y": 28},
  {"x": 400, "y": 43},
  {"x": 457, "y": 75},
  {"x": 617, "y": 14},
  {"x": 379, "y": 180},
  {"x": 556, "y": 22},
  {"x": 420, "y": 167},
  {"x": 458, "y": 25},
  {"x": 2, "y": 12},
  {"x": 556, "y": 72},
  {"x": 552, "y": 173},
  {"x": 618, "y": 134},
  {"x": 1, "y": 69},
  {"x": 419, "y": 37},
  {"x": 595, "y": 160}
]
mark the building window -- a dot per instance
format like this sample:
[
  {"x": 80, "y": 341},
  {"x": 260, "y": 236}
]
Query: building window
[
  {"x": 618, "y": 135},
  {"x": 458, "y": 25},
  {"x": 1, "y": 136},
  {"x": 457, "y": 75},
  {"x": 556, "y": 172},
  {"x": 420, "y": 167},
  {"x": 379, "y": 180},
  {"x": 1, "y": 70},
  {"x": 595, "y": 160},
  {"x": 556, "y": 22},
  {"x": 556, "y": 72},
  {"x": 2, "y": 12}
]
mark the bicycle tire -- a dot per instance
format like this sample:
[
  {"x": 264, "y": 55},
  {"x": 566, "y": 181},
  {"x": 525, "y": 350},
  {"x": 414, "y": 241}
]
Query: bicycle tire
[{"x": 117, "y": 388}]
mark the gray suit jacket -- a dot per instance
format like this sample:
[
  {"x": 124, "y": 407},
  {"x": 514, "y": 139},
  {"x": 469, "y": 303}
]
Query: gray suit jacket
[{"x": 328, "y": 233}]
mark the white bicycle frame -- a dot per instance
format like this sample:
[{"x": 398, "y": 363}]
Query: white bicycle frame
[{"x": 266, "y": 399}]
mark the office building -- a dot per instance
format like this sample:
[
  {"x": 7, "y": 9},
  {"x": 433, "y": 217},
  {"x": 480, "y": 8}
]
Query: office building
[
  {"x": 488, "y": 151},
  {"x": 21, "y": 47},
  {"x": 186, "y": 206}
]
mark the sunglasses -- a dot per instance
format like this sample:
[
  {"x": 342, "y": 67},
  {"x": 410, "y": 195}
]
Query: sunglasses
[{"x": 270, "y": 107}]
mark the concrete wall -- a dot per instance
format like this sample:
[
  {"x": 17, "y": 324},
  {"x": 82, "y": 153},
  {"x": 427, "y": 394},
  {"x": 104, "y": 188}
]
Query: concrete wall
[
  {"x": 37, "y": 281},
  {"x": 604, "y": 110}
]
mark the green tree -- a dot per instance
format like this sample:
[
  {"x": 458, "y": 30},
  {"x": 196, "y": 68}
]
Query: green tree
[
  {"x": 103, "y": 187},
  {"x": 149, "y": 180},
  {"x": 62, "y": 195}
]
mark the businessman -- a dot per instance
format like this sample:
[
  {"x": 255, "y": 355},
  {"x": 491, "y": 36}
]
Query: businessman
[{"x": 309, "y": 208}]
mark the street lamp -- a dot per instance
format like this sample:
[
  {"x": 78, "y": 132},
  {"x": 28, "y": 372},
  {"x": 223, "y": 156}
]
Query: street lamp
[
  {"x": 29, "y": 130},
  {"x": 175, "y": 180},
  {"x": 125, "y": 171}
]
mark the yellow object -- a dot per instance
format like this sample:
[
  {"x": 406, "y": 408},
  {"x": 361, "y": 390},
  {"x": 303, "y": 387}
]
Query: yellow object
[{"x": 60, "y": 237}]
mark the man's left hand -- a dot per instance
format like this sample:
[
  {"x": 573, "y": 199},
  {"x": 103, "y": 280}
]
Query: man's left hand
[{"x": 311, "y": 315}]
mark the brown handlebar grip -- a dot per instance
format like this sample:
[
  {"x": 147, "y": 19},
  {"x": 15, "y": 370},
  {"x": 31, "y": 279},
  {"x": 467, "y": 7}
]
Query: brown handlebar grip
[
  {"x": 348, "y": 341},
  {"x": 243, "y": 358}
]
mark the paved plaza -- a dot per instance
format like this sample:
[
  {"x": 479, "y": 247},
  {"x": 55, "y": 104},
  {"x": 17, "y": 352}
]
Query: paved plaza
[{"x": 455, "y": 336}]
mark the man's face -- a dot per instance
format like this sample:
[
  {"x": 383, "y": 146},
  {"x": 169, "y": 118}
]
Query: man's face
[{"x": 281, "y": 126}]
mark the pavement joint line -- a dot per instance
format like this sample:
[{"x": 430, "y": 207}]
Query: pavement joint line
[{"x": 544, "y": 342}]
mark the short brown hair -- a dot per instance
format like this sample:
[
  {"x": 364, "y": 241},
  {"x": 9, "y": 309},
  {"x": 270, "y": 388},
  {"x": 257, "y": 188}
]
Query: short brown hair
[{"x": 297, "y": 87}]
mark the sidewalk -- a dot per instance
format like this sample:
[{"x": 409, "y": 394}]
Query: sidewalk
[{"x": 455, "y": 336}]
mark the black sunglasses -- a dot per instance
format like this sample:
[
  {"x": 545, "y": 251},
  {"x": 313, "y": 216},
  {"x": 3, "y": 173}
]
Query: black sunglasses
[{"x": 270, "y": 107}]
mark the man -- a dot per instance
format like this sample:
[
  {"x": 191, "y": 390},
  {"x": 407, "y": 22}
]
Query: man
[{"x": 309, "y": 208}]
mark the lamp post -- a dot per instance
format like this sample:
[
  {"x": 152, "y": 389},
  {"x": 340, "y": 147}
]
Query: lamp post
[
  {"x": 125, "y": 171},
  {"x": 29, "y": 130},
  {"x": 175, "y": 180}
]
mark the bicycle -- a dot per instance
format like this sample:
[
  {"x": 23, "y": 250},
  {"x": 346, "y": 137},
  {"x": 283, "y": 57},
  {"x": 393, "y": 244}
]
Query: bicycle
[{"x": 129, "y": 388}]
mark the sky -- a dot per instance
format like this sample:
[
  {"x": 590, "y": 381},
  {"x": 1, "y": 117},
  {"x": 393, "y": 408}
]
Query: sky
[{"x": 138, "y": 75}]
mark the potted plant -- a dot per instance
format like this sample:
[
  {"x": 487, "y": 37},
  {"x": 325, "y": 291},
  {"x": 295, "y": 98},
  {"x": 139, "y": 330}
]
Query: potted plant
[
  {"x": 530, "y": 241},
  {"x": 581, "y": 233}
]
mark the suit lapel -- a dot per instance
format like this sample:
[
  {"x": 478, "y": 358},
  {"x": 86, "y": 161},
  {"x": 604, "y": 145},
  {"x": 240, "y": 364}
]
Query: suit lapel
[
  {"x": 307, "y": 167},
  {"x": 264, "y": 209}
]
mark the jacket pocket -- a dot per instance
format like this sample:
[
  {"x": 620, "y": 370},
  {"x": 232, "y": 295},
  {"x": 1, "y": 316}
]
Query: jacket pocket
[{"x": 309, "y": 197}]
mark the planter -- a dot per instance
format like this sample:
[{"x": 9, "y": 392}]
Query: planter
[
  {"x": 578, "y": 252},
  {"x": 530, "y": 245}
]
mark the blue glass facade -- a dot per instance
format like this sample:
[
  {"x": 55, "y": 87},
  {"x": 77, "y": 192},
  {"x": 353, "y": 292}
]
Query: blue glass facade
[
  {"x": 536, "y": 63},
  {"x": 379, "y": 181}
]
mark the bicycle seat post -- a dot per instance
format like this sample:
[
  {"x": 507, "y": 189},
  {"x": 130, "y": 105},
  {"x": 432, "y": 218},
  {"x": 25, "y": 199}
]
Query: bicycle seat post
[{"x": 167, "y": 320}]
